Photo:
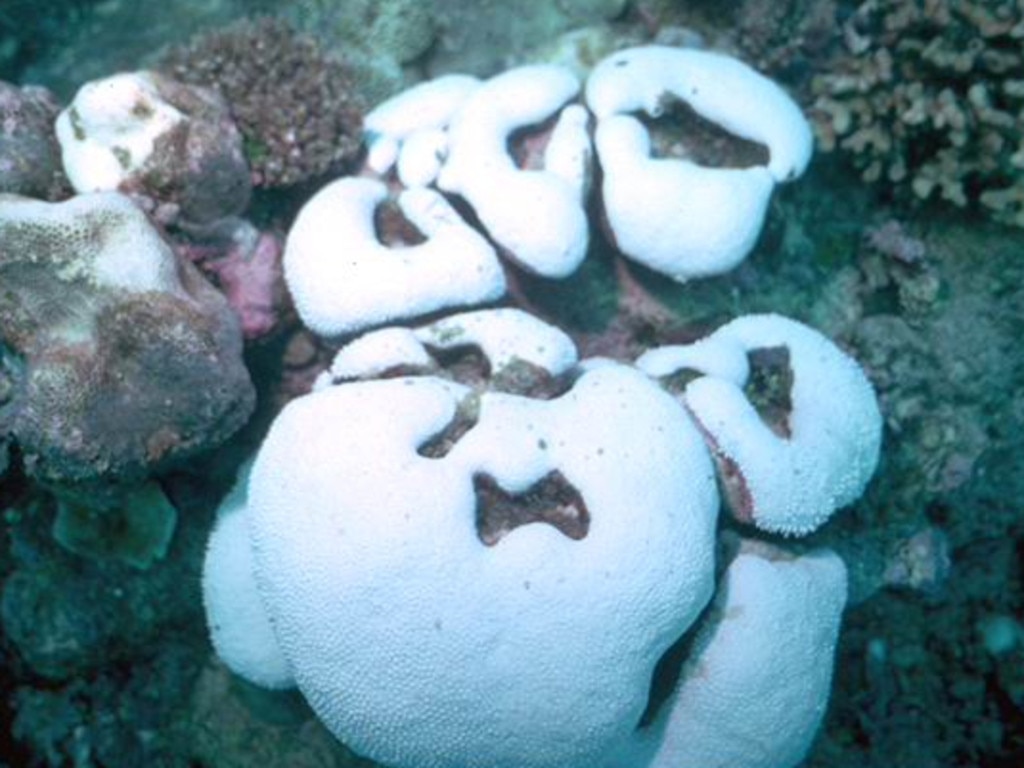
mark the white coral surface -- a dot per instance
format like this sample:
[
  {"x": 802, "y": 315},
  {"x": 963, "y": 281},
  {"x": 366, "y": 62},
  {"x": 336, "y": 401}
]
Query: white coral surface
[{"x": 344, "y": 279}]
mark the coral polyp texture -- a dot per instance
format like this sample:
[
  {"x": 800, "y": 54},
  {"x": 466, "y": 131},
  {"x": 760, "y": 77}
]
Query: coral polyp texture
[
  {"x": 801, "y": 448},
  {"x": 678, "y": 216},
  {"x": 510, "y": 567},
  {"x": 343, "y": 278},
  {"x": 125, "y": 359},
  {"x": 297, "y": 108},
  {"x": 927, "y": 98}
]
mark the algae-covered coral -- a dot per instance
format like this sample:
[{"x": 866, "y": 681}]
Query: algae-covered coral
[
  {"x": 295, "y": 106},
  {"x": 929, "y": 98}
]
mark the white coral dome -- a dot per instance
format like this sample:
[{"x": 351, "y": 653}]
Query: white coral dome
[{"x": 417, "y": 644}]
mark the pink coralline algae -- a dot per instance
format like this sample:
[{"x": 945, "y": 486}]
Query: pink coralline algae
[{"x": 247, "y": 269}]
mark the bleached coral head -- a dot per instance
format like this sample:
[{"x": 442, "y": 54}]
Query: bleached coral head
[
  {"x": 344, "y": 279},
  {"x": 681, "y": 219},
  {"x": 110, "y": 130},
  {"x": 754, "y": 689},
  {"x": 673, "y": 215},
  {"x": 817, "y": 456},
  {"x": 467, "y": 641},
  {"x": 535, "y": 215},
  {"x": 718, "y": 87},
  {"x": 142, "y": 132}
]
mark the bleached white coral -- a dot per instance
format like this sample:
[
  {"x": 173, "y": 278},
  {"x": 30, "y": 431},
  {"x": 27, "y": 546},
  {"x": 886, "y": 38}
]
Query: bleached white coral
[
  {"x": 535, "y": 215},
  {"x": 343, "y": 279},
  {"x": 410, "y": 129},
  {"x": 680, "y": 218},
  {"x": 788, "y": 483},
  {"x": 111, "y": 128},
  {"x": 353, "y": 526}
]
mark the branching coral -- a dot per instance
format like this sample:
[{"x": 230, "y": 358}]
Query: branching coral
[
  {"x": 930, "y": 98},
  {"x": 296, "y": 107}
]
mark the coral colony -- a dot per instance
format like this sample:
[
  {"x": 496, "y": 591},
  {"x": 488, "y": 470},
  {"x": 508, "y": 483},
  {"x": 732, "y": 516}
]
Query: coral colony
[
  {"x": 482, "y": 564},
  {"x": 467, "y": 546}
]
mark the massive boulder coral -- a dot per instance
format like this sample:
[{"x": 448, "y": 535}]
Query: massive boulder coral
[
  {"x": 125, "y": 360},
  {"x": 927, "y": 98},
  {"x": 511, "y": 566}
]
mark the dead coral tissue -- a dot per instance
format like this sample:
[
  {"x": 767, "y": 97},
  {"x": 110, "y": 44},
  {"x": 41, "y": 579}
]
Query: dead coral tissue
[
  {"x": 928, "y": 96},
  {"x": 295, "y": 106}
]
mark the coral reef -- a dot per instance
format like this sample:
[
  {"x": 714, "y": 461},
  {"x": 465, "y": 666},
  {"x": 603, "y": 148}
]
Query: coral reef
[
  {"x": 297, "y": 108},
  {"x": 584, "y": 490},
  {"x": 928, "y": 98},
  {"x": 103, "y": 652}
]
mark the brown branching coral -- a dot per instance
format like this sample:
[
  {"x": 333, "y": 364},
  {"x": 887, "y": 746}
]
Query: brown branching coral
[
  {"x": 296, "y": 107},
  {"x": 929, "y": 97}
]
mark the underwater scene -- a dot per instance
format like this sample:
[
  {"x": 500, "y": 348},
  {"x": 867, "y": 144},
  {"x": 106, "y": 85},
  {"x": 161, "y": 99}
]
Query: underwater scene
[{"x": 535, "y": 384}]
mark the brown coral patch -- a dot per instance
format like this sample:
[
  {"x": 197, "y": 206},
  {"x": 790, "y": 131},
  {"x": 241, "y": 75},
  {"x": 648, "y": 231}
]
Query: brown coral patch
[
  {"x": 679, "y": 132},
  {"x": 296, "y": 107},
  {"x": 552, "y": 500},
  {"x": 770, "y": 387}
]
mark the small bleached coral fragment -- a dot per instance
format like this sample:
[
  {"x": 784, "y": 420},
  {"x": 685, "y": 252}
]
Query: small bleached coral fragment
[
  {"x": 818, "y": 455},
  {"x": 408, "y": 127},
  {"x": 344, "y": 279},
  {"x": 535, "y": 215},
  {"x": 377, "y": 354},
  {"x": 674, "y": 215},
  {"x": 504, "y": 336},
  {"x": 111, "y": 128}
]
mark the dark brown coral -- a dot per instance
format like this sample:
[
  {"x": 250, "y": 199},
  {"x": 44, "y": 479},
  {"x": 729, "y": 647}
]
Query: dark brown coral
[{"x": 296, "y": 107}]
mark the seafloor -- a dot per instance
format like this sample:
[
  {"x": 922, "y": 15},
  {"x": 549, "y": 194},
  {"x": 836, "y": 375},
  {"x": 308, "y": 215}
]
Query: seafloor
[{"x": 107, "y": 664}]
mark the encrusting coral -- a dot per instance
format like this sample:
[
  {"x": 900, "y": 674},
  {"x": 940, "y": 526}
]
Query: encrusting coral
[
  {"x": 297, "y": 108},
  {"x": 929, "y": 98}
]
